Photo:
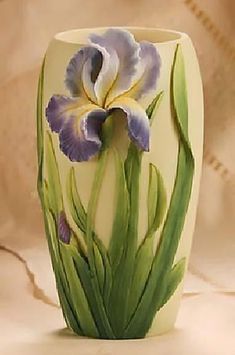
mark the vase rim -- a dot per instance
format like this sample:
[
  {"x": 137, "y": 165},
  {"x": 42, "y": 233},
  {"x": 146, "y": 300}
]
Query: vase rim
[{"x": 155, "y": 35}]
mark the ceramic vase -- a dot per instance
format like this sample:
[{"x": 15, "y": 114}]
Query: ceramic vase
[{"x": 120, "y": 135}]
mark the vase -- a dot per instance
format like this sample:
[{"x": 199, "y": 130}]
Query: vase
[{"x": 120, "y": 136}]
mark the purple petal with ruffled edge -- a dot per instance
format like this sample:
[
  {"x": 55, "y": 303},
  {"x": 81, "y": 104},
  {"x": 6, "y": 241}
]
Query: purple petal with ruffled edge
[
  {"x": 148, "y": 73},
  {"x": 60, "y": 108},
  {"x": 121, "y": 45},
  {"x": 137, "y": 121},
  {"x": 87, "y": 63},
  {"x": 64, "y": 231},
  {"x": 80, "y": 137}
]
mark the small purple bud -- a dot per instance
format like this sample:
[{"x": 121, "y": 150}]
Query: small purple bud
[{"x": 64, "y": 231}]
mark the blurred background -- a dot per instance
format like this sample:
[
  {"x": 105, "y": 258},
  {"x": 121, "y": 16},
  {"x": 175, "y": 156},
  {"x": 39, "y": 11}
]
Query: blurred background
[{"x": 26, "y": 27}]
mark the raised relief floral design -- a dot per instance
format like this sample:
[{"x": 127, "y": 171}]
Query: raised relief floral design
[
  {"x": 114, "y": 291},
  {"x": 112, "y": 72}
]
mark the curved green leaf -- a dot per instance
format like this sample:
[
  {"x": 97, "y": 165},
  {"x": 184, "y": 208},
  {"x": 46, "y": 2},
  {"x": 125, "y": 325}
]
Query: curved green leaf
[
  {"x": 100, "y": 256},
  {"x": 40, "y": 130},
  {"x": 60, "y": 276},
  {"x": 74, "y": 201},
  {"x": 155, "y": 290},
  {"x": 179, "y": 95},
  {"x": 144, "y": 257},
  {"x": 156, "y": 199},
  {"x": 78, "y": 297},
  {"x": 52, "y": 175},
  {"x": 142, "y": 267},
  {"x": 92, "y": 258},
  {"x": 120, "y": 222},
  {"x": 99, "y": 267},
  {"x": 118, "y": 303},
  {"x": 173, "y": 279},
  {"x": 61, "y": 281},
  {"x": 154, "y": 106}
]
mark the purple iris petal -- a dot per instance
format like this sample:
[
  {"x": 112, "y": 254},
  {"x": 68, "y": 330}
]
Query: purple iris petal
[
  {"x": 122, "y": 44},
  {"x": 137, "y": 121},
  {"x": 64, "y": 231},
  {"x": 59, "y": 110},
  {"x": 91, "y": 125},
  {"x": 149, "y": 70},
  {"x": 80, "y": 139},
  {"x": 138, "y": 132},
  {"x": 113, "y": 72},
  {"x": 74, "y": 71}
]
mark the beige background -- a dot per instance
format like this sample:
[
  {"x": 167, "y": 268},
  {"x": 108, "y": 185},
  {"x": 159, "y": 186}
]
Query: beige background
[{"x": 29, "y": 313}]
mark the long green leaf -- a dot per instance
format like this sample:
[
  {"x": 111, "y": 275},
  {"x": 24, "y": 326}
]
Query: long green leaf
[
  {"x": 173, "y": 280},
  {"x": 85, "y": 275},
  {"x": 94, "y": 263},
  {"x": 75, "y": 204},
  {"x": 100, "y": 267},
  {"x": 48, "y": 219},
  {"x": 60, "y": 275},
  {"x": 68, "y": 314},
  {"x": 80, "y": 218},
  {"x": 142, "y": 267},
  {"x": 118, "y": 303},
  {"x": 144, "y": 257},
  {"x": 78, "y": 297},
  {"x": 179, "y": 95},
  {"x": 40, "y": 130},
  {"x": 121, "y": 217},
  {"x": 52, "y": 174},
  {"x": 157, "y": 282}
]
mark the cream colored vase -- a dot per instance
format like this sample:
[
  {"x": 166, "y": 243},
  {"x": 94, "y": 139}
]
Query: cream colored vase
[{"x": 120, "y": 136}]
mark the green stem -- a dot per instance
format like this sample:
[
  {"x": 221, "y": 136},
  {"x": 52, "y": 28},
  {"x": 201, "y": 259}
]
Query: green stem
[
  {"x": 122, "y": 278},
  {"x": 107, "y": 331}
]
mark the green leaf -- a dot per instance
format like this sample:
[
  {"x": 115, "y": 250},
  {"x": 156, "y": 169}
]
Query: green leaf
[
  {"x": 53, "y": 180},
  {"x": 156, "y": 199},
  {"x": 143, "y": 263},
  {"x": 179, "y": 95},
  {"x": 40, "y": 130},
  {"x": 60, "y": 275},
  {"x": 118, "y": 304},
  {"x": 68, "y": 314},
  {"x": 51, "y": 201},
  {"x": 132, "y": 267},
  {"x": 100, "y": 267},
  {"x": 78, "y": 297},
  {"x": 154, "y": 106},
  {"x": 93, "y": 262},
  {"x": 107, "y": 269},
  {"x": 121, "y": 217},
  {"x": 61, "y": 281},
  {"x": 74, "y": 201},
  {"x": 173, "y": 280},
  {"x": 155, "y": 290},
  {"x": 86, "y": 276},
  {"x": 144, "y": 257},
  {"x": 99, "y": 253}
]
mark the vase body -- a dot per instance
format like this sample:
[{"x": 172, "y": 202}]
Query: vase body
[{"x": 65, "y": 186}]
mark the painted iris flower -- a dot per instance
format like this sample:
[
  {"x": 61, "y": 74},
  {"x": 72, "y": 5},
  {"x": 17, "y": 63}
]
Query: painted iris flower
[{"x": 113, "y": 72}]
